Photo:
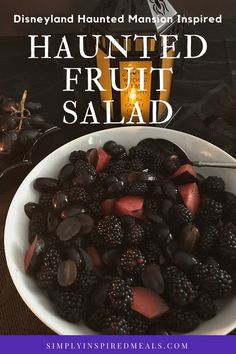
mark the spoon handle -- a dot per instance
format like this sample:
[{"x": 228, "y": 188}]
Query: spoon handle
[{"x": 231, "y": 165}]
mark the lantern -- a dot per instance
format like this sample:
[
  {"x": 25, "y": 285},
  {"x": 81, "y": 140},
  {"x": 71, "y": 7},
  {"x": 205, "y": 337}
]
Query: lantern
[{"x": 160, "y": 19}]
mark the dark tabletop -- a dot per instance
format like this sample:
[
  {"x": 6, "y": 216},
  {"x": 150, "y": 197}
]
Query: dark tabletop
[{"x": 204, "y": 88}]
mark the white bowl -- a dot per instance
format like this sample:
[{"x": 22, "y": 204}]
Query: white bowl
[{"x": 16, "y": 229}]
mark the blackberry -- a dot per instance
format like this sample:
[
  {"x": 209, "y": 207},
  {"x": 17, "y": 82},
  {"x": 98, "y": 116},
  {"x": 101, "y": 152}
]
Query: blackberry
[
  {"x": 98, "y": 193},
  {"x": 136, "y": 188},
  {"x": 78, "y": 194},
  {"x": 81, "y": 166},
  {"x": 229, "y": 226},
  {"x": 152, "y": 205},
  {"x": 102, "y": 176},
  {"x": 181, "y": 320},
  {"x": 130, "y": 280},
  {"x": 212, "y": 261},
  {"x": 226, "y": 244},
  {"x": 135, "y": 165},
  {"x": 138, "y": 324},
  {"x": 95, "y": 317},
  {"x": 116, "y": 166},
  {"x": 47, "y": 278},
  {"x": 179, "y": 215},
  {"x": 47, "y": 275},
  {"x": 207, "y": 239},
  {"x": 213, "y": 185},
  {"x": 67, "y": 185},
  {"x": 132, "y": 261},
  {"x": 134, "y": 234},
  {"x": 229, "y": 205},
  {"x": 77, "y": 155},
  {"x": 96, "y": 210},
  {"x": 216, "y": 282},
  {"x": 38, "y": 226},
  {"x": 52, "y": 258},
  {"x": 140, "y": 153},
  {"x": 110, "y": 232},
  {"x": 149, "y": 229},
  {"x": 178, "y": 287},
  {"x": 152, "y": 253},
  {"x": 86, "y": 282},
  {"x": 156, "y": 164},
  {"x": 45, "y": 201},
  {"x": 115, "y": 324},
  {"x": 205, "y": 307},
  {"x": 210, "y": 212},
  {"x": 120, "y": 294},
  {"x": 155, "y": 188},
  {"x": 70, "y": 306},
  {"x": 52, "y": 241}
]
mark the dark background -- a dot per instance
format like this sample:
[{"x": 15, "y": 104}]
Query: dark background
[{"x": 44, "y": 80}]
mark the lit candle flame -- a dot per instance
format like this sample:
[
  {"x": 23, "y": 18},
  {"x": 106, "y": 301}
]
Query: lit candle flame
[{"x": 133, "y": 95}]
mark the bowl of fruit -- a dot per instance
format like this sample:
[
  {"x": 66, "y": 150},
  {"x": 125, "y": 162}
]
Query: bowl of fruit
[{"x": 117, "y": 233}]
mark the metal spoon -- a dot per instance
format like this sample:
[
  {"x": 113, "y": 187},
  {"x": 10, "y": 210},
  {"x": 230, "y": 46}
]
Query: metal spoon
[{"x": 172, "y": 149}]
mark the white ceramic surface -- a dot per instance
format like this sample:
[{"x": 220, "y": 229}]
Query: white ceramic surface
[{"x": 16, "y": 242}]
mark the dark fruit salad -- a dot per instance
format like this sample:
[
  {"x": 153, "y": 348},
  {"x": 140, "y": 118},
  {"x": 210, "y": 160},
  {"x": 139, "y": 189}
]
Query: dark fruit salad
[{"x": 132, "y": 242}]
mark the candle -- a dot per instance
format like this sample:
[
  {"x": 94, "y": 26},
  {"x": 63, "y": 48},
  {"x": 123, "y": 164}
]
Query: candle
[{"x": 133, "y": 94}]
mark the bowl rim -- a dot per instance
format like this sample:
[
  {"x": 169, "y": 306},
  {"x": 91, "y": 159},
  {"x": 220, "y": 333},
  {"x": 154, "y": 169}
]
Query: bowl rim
[{"x": 15, "y": 280}]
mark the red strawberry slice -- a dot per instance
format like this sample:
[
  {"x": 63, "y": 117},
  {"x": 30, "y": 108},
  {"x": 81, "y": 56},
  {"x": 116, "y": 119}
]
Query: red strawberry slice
[
  {"x": 93, "y": 253},
  {"x": 185, "y": 168},
  {"x": 29, "y": 254},
  {"x": 130, "y": 205},
  {"x": 103, "y": 160},
  {"x": 108, "y": 206},
  {"x": 34, "y": 255},
  {"x": 148, "y": 303},
  {"x": 191, "y": 196}
]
